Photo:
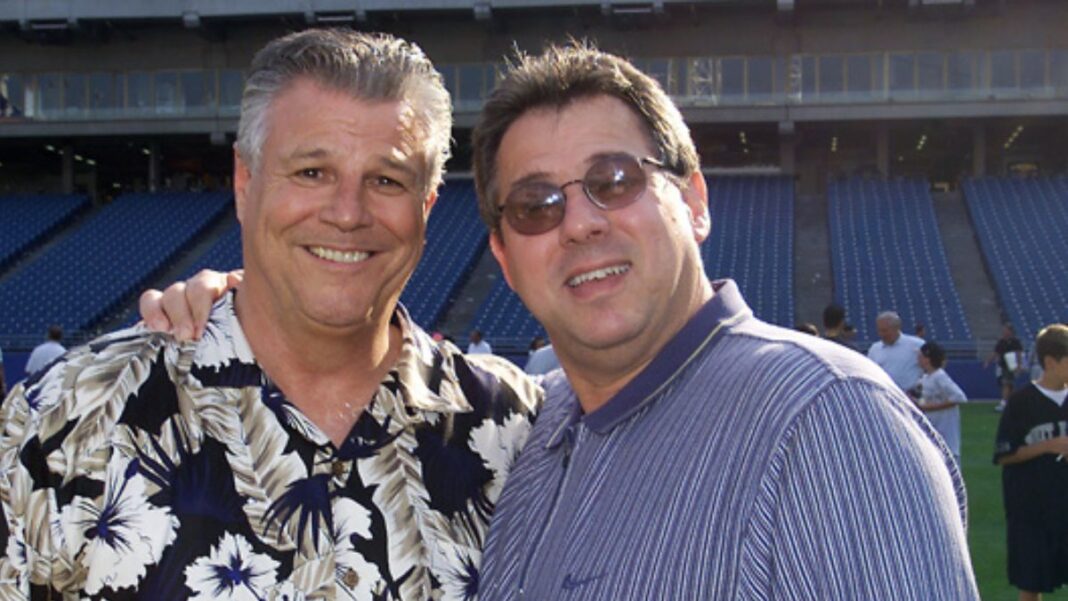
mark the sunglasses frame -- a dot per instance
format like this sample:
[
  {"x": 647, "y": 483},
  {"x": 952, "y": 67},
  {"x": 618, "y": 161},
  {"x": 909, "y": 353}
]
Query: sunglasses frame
[{"x": 561, "y": 190}]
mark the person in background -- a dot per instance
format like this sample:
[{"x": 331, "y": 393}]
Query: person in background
[
  {"x": 46, "y": 352},
  {"x": 940, "y": 397},
  {"x": 895, "y": 351},
  {"x": 477, "y": 345},
  {"x": 834, "y": 326},
  {"x": 920, "y": 329},
  {"x": 542, "y": 361},
  {"x": 1031, "y": 447},
  {"x": 1008, "y": 357},
  {"x": 808, "y": 328}
]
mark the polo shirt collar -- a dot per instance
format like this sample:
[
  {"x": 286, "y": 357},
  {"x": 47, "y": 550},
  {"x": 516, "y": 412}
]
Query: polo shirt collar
[{"x": 725, "y": 308}]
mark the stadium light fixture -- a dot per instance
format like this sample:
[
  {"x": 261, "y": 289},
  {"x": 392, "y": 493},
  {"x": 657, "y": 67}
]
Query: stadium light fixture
[
  {"x": 79, "y": 158},
  {"x": 90, "y": 162},
  {"x": 145, "y": 151},
  {"x": 116, "y": 185},
  {"x": 50, "y": 148}
]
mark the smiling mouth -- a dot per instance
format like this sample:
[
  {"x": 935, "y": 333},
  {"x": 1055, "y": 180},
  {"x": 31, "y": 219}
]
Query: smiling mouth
[
  {"x": 597, "y": 274},
  {"x": 339, "y": 256}
]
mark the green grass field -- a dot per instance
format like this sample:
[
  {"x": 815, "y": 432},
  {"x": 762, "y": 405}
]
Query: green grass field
[{"x": 986, "y": 518}]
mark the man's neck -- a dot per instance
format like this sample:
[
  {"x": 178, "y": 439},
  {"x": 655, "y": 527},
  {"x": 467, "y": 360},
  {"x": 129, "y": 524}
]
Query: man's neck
[
  {"x": 598, "y": 375},
  {"x": 331, "y": 375}
]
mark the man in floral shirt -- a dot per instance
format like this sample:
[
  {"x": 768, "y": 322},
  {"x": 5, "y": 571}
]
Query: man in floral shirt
[{"x": 315, "y": 443}]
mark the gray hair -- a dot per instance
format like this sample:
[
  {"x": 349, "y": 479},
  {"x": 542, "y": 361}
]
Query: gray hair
[
  {"x": 890, "y": 317},
  {"x": 367, "y": 66}
]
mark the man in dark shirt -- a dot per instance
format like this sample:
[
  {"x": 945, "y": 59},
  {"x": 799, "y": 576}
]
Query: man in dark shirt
[
  {"x": 1008, "y": 352},
  {"x": 834, "y": 325}
]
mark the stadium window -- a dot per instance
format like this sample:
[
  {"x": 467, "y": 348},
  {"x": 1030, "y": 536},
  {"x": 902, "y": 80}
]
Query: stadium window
[
  {"x": 12, "y": 95},
  {"x": 808, "y": 78},
  {"x": 930, "y": 71},
  {"x": 167, "y": 100},
  {"x": 138, "y": 91},
  {"x": 760, "y": 77},
  {"x": 1032, "y": 70},
  {"x": 960, "y": 72},
  {"x": 702, "y": 79},
  {"x": 659, "y": 69},
  {"x": 859, "y": 75},
  {"x": 196, "y": 91},
  {"x": 1002, "y": 70},
  {"x": 448, "y": 76},
  {"x": 1058, "y": 69},
  {"x": 472, "y": 80},
  {"x": 732, "y": 79},
  {"x": 103, "y": 92},
  {"x": 74, "y": 94},
  {"x": 832, "y": 76},
  {"x": 231, "y": 82},
  {"x": 902, "y": 75},
  {"x": 50, "y": 96}
]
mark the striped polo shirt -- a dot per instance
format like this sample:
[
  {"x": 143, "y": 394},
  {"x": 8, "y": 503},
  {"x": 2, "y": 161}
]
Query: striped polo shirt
[{"x": 746, "y": 461}]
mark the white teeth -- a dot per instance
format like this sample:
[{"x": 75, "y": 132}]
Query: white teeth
[
  {"x": 597, "y": 274},
  {"x": 338, "y": 256}
]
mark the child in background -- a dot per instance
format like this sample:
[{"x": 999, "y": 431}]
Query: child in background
[
  {"x": 1031, "y": 445},
  {"x": 940, "y": 395}
]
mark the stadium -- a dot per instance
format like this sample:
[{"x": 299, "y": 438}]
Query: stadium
[{"x": 879, "y": 154}]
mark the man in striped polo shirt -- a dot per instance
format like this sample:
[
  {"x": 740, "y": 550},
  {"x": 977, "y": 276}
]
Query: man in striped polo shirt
[{"x": 692, "y": 451}]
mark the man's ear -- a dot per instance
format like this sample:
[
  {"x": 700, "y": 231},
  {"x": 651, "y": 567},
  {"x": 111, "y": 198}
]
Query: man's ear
[
  {"x": 696, "y": 197},
  {"x": 497, "y": 246},
  {"x": 242, "y": 177},
  {"x": 429, "y": 203}
]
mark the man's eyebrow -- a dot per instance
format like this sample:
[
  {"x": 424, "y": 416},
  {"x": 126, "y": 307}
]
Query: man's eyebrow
[
  {"x": 403, "y": 166},
  {"x": 308, "y": 153}
]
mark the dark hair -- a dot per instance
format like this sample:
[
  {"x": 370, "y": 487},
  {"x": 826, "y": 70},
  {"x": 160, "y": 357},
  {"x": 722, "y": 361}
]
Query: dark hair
[
  {"x": 1052, "y": 342},
  {"x": 934, "y": 353},
  {"x": 555, "y": 79},
  {"x": 808, "y": 328},
  {"x": 55, "y": 333},
  {"x": 833, "y": 316}
]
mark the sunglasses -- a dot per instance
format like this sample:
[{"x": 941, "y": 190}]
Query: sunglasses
[{"x": 611, "y": 183}]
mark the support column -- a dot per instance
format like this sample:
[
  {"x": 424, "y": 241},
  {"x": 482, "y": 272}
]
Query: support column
[
  {"x": 978, "y": 150},
  {"x": 787, "y": 148},
  {"x": 153, "y": 167},
  {"x": 882, "y": 149},
  {"x": 68, "y": 169}
]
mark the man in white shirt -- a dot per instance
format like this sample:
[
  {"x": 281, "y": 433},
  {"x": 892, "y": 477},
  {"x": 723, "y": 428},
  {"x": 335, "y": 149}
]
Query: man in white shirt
[
  {"x": 46, "y": 352},
  {"x": 940, "y": 396},
  {"x": 895, "y": 352},
  {"x": 477, "y": 345}
]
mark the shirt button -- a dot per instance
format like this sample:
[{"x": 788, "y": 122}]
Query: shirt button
[
  {"x": 351, "y": 578},
  {"x": 338, "y": 468}
]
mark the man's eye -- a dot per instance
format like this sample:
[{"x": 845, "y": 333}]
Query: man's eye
[
  {"x": 310, "y": 173},
  {"x": 387, "y": 185}
]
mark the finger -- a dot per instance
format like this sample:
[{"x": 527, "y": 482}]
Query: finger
[
  {"x": 151, "y": 311},
  {"x": 203, "y": 290},
  {"x": 234, "y": 278},
  {"x": 177, "y": 309}
]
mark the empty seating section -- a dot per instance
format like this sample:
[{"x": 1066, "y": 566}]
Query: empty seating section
[
  {"x": 504, "y": 319},
  {"x": 455, "y": 239},
  {"x": 887, "y": 254},
  {"x": 1020, "y": 225},
  {"x": 24, "y": 219},
  {"x": 76, "y": 281},
  {"x": 752, "y": 241}
]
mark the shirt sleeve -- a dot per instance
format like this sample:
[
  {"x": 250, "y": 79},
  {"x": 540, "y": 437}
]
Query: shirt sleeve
[
  {"x": 859, "y": 502},
  {"x": 1011, "y": 430}
]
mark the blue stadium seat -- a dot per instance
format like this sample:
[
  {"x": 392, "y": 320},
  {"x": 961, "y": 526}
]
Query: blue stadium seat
[
  {"x": 25, "y": 219},
  {"x": 1019, "y": 224},
  {"x": 78, "y": 280},
  {"x": 887, "y": 254}
]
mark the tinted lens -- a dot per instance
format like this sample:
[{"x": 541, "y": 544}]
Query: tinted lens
[
  {"x": 534, "y": 208},
  {"x": 615, "y": 182}
]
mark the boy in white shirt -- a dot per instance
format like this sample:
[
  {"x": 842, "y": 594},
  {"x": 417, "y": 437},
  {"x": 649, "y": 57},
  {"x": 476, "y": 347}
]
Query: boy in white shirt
[{"x": 940, "y": 395}]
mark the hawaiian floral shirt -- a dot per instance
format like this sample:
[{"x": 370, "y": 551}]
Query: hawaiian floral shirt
[{"x": 138, "y": 467}]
